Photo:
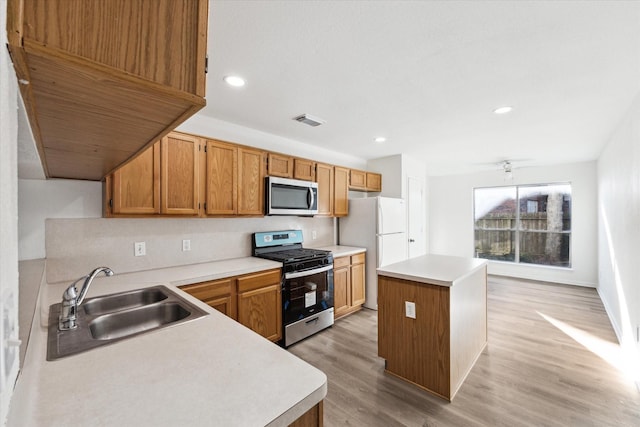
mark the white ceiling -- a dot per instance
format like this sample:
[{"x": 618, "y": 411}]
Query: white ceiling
[{"x": 427, "y": 75}]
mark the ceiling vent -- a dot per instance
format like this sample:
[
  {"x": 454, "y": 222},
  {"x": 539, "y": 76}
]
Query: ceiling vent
[{"x": 309, "y": 120}]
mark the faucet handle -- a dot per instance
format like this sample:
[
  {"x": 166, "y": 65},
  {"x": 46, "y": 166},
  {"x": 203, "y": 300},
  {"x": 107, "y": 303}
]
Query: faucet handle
[{"x": 71, "y": 292}]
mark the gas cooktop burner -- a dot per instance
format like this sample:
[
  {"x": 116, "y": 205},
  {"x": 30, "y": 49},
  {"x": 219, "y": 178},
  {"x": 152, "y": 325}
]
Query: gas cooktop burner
[{"x": 293, "y": 255}]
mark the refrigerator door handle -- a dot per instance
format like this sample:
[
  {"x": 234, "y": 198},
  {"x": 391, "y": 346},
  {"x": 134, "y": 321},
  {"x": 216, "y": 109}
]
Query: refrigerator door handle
[{"x": 379, "y": 252}]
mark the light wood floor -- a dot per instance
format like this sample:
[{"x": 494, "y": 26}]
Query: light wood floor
[{"x": 531, "y": 373}]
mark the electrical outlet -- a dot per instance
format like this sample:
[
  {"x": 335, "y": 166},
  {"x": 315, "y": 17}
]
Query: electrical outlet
[
  {"x": 139, "y": 249},
  {"x": 314, "y": 235},
  {"x": 410, "y": 309},
  {"x": 186, "y": 245}
]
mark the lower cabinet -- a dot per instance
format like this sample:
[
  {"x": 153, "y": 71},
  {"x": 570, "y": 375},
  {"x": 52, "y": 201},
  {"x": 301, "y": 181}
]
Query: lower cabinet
[
  {"x": 219, "y": 294},
  {"x": 348, "y": 284},
  {"x": 254, "y": 300},
  {"x": 260, "y": 303}
]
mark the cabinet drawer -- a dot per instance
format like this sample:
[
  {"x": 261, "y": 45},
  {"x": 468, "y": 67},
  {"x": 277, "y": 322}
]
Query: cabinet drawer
[
  {"x": 258, "y": 280},
  {"x": 357, "y": 259},
  {"x": 341, "y": 262},
  {"x": 210, "y": 290}
]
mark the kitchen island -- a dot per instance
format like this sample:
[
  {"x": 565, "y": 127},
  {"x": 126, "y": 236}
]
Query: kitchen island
[
  {"x": 209, "y": 371},
  {"x": 432, "y": 320}
]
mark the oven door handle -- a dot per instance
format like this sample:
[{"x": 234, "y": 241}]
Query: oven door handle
[{"x": 307, "y": 272}]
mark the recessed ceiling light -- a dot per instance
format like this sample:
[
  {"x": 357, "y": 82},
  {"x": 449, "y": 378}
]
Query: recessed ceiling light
[
  {"x": 503, "y": 110},
  {"x": 380, "y": 139},
  {"x": 235, "y": 81}
]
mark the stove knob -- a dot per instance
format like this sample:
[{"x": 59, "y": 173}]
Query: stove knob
[{"x": 298, "y": 267}]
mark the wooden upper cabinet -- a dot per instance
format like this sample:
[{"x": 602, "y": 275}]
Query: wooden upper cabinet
[
  {"x": 221, "y": 186},
  {"x": 324, "y": 178},
  {"x": 128, "y": 35},
  {"x": 374, "y": 181},
  {"x": 279, "y": 165},
  {"x": 304, "y": 170},
  {"x": 341, "y": 191},
  {"x": 357, "y": 180},
  {"x": 251, "y": 173},
  {"x": 180, "y": 174},
  {"x": 135, "y": 187},
  {"x": 364, "y": 181},
  {"x": 119, "y": 74}
]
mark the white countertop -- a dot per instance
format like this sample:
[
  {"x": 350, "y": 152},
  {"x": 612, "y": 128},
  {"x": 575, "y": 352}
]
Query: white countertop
[
  {"x": 209, "y": 371},
  {"x": 339, "y": 250},
  {"x": 442, "y": 270}
]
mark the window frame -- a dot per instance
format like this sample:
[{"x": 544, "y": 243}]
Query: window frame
[{"x": 518, "y": 229}]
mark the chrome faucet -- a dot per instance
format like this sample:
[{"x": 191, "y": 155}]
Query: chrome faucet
[{"x": 71, "y": 300}]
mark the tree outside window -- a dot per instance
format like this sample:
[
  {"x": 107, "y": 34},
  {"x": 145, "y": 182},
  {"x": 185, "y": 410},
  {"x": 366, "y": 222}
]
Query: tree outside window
[{"x": 525, "y": 224}]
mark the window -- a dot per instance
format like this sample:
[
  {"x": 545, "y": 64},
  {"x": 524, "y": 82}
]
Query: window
[{"x": 528, "y": 224}]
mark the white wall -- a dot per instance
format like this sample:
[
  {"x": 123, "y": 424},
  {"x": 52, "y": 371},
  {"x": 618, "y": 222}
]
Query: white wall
[
  {"x": 451, "y": 219},
  {"x": 392, "y": 175},
  {"x": 9, "y": 355},
  {"x": 619, "y": 230},
  {"x": 55, "y": 198}
]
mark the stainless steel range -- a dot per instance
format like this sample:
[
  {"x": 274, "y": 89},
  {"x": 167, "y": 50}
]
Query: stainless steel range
[{"x": 307, "y": 282}]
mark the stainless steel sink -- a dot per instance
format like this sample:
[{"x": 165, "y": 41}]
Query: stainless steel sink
[
  {"x": 129, "y": 322},
  {"x": 123, "y": 301},
  {"x": 111, "y": 318}
]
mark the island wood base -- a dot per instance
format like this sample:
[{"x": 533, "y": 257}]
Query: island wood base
[
  {"x": 312, "y": 418},
  {"x": 438, "y": 348}
]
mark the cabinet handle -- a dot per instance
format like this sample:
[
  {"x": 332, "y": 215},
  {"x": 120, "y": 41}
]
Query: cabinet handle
[{"x": 411, "y": 240}]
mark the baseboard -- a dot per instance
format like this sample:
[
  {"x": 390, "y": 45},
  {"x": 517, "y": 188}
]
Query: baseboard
[
  {"x": 538, "y": 279},
  {"x": 616, "y": 328},
  {"x": 614, "y": 324}
]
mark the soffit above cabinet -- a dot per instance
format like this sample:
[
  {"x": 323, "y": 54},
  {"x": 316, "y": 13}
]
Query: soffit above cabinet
[{"x": 88, "y": 117}]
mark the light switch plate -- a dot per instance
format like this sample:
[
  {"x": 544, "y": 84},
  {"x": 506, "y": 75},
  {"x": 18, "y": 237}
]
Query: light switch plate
[
  {"x": 410, "y": 309},
  {"x": 186, "y": 245}
]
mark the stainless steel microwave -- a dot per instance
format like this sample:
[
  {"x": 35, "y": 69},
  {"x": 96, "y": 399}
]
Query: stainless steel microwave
[{"x": 285, "y": 196}]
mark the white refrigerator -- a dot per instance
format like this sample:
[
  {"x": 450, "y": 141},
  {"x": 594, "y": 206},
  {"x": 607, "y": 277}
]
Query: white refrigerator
[{"x": 378, "y": 224}]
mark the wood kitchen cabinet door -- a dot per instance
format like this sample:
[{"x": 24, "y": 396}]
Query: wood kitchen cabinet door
[
  {"x": 324, "y": 178},
  {"x": 357, "y": 180},
  {"x": 341, "y": 286},
  {"x": 136, "y": 185},
  {"x": 374, "y": 181},
  {"x": 279, "y": 165},
  {"x": 251, "y": 172},
  {"x": 219, "y": 294},
  {"x": 221, "y": 187},
  {"x": 357, "y": 280},
  {"x": 348, "y": 284},
  {"x": 180, "y": 174},
  {"x": 341, "y": 191},
  {"x": 260, "y": 303},
  {"x": 304, "y": 169}
]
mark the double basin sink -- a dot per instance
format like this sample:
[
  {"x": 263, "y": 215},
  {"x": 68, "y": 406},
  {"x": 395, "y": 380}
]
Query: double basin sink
[{"x": 111, "y": 318}]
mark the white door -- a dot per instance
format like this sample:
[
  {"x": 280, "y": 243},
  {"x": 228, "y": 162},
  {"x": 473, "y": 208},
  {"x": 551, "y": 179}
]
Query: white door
[
  {"x": 392, "y": 216},
  {"x": 392, "y": 248},
  {"x": 417, "y": 219}
]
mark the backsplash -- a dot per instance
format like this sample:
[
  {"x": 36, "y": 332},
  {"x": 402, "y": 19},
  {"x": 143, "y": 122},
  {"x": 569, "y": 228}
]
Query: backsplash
[{"x": 76, "y": 246}]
